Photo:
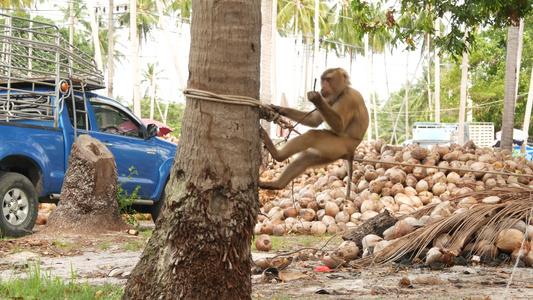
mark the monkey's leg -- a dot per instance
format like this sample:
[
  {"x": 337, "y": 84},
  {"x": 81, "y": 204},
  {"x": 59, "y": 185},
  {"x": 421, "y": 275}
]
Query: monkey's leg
[
  {"x": 295, "y": 168},
  {"x": 321, "y": 140}
]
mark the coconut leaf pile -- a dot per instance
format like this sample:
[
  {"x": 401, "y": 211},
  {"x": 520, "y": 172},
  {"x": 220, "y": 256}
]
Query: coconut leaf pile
[{"x": 482, "y": 229}]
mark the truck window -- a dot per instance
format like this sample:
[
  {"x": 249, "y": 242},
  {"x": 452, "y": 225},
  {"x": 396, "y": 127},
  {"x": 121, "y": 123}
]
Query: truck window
[
  {"x": 80, "y": 112},
  {"x": 110, "y": 120}
]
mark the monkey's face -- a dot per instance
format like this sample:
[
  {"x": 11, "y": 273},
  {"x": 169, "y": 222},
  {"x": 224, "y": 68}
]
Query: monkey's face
[{"x": 332, "y": 82}]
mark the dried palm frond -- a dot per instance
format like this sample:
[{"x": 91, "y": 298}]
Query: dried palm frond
[{"x": 516, "y": 203}]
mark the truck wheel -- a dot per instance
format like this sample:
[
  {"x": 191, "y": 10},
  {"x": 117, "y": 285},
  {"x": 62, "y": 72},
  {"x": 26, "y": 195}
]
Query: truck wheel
[
  {"x": 156, "y": 208},
  {"x": 18, "y": 204}
]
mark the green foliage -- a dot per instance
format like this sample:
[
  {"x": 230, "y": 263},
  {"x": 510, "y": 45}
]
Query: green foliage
[
  {"x": 125, "y": 200},
  {"x": 43, "y": 286},
  {"x": 416, "y": 17}
]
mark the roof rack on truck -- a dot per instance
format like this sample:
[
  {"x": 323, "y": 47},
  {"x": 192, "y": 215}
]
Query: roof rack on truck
[{"x": 39, "y": 70}]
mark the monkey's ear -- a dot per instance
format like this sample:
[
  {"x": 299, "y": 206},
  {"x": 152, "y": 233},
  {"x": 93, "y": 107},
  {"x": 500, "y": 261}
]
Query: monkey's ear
[{"x": 346, "y": 77}]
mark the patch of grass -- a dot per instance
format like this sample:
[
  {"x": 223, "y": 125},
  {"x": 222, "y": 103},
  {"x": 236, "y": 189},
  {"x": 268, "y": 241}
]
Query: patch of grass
[
  {"x": 43, "y": 286},
  {"x": 64, "y": 244},
  {"x": 293, "y": 242},
  {"x": 133, "y": 246},
  {"x": 146, "y": 233},
  {"x": 104, "y": 246}
]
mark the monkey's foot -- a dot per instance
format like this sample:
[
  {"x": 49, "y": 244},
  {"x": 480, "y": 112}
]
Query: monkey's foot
[{"x": 269, "y": 185}]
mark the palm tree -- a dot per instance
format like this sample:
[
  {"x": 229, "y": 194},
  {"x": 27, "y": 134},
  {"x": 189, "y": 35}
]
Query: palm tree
[
  {"x": 510, "y": 88},
  {"x": 200, "y": 248},
  {"x": 267, "y": 51},
  {"x": 141, "y": 20},
  {"x": 297, "y": 17},
  {"x": 150, "y": 76}
]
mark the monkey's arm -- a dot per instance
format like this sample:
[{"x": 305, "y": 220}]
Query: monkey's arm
[
  {"x": 336, "y": 121},
  {"x": 311, "y": 119}
]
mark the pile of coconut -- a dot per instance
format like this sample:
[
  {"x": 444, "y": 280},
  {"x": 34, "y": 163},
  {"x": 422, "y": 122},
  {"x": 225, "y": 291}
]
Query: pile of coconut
[{"x": 422, "y": 190}]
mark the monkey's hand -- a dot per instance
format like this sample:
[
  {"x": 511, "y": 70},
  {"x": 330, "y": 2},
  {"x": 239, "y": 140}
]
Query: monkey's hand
[
  {"x": 314, "y": 97},
  {"x": 280, "y": 110}
]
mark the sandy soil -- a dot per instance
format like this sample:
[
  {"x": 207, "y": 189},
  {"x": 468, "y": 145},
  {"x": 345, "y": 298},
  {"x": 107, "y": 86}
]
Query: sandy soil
[{"x": 110, "y": 259}]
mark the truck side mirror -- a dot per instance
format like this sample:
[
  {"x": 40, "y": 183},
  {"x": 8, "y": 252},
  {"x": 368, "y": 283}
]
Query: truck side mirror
[{"x": 153, "y": 130}]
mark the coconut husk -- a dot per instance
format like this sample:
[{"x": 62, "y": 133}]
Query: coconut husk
[{"x": 516, "y": 203}]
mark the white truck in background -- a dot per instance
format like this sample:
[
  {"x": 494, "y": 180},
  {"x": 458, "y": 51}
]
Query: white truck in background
[{"x": 428, "y": 134}]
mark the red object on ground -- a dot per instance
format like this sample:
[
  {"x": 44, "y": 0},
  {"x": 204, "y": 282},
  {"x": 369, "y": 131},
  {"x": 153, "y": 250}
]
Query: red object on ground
[
  {"x": 163, "y": 128},
  {"x": 322, "y": 269}
]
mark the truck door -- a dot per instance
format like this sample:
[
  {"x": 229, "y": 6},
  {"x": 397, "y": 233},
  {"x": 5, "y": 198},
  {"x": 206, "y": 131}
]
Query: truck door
[{"x": 124, "y": 135}]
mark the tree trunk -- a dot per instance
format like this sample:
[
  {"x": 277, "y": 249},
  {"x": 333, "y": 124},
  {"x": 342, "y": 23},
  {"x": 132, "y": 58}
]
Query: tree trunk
[
  {"x": 437, "y": 74},
  {"x": 266, "y": 55},
  {"x": 527, "y": 116},
  {"x": 110, "y": 51},
  {"x": 201, "y": 246},
  {"x": 510, "y": 89},
  {"x": 94, "y": 34},
  {"x": 462, "y": 100},
  {"x": 88, "y": 202},
  {"x": 406, "y": 98},
  {"x": 369, "y": 92},
  {"x": 135, "y": 59},
  {"x": 164, "y": 25}
]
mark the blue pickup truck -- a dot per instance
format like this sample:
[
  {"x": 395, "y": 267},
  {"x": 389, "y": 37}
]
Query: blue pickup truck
[{"x": 47, "y": 100}]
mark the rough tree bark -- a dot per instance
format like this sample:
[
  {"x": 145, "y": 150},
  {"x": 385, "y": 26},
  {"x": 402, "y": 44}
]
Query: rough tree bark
[
  {"x": 201, "y": 246},
  {"x": 88, "y": 201}
]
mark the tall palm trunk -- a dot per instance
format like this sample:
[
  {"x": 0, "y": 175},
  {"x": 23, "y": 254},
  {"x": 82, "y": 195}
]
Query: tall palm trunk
[
  {"x": 201, "y": 245},
  {"x": 164, "y": 24},
  {"x": 94, "y": 33},
  {"x": 110, "y": 51},
  {"x": 135, "y": 59},
  {"x": 510, "y": 88},
  {"x": 369, "y": 92},
  {"x": 437, "y": 74},
  {"x": 527, "y": 116},
  {"x": 266, "y": 56},
  {"x": 406, "y": 98},
  {"x": 462, "y": 100}
]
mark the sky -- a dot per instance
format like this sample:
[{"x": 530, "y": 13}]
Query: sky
[{"x": 290, "y": 71}]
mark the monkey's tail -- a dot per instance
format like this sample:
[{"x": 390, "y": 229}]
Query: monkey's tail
[{"x": 350, "y": 173}]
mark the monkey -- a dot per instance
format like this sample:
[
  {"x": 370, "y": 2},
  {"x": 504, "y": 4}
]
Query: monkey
[{"x": 344, "y": 111}]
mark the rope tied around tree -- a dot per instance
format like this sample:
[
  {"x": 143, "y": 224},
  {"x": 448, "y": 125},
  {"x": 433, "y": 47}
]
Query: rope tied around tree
[{"x": 265, "y": 112}]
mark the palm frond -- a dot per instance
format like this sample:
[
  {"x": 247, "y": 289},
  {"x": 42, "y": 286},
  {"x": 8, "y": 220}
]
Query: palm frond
[{"x": 516, "y": 204}]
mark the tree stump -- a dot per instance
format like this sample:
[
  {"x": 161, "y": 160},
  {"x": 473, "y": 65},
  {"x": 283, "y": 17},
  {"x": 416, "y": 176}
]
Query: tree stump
[{"x": 88, "y": 202}]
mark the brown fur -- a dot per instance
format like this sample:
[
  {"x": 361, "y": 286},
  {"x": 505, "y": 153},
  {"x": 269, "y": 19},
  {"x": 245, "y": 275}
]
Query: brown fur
[{"x": 342, "y": 108}]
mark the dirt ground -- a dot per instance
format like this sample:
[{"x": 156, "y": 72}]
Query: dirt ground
[{"x": 110, "y": 258}]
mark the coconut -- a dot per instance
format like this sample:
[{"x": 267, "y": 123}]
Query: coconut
[
  {"x": 348, "y": 250},
  {"x": 438, "y": 188},
  {"x": 334, "y": 228},
  {"x": 370, "y": 240},
  {"x": 467, "y": 202},
  {"x": 442, "y": 240},
  {"x": 290, "y": 212},
  {"x": 342, "y": 217},
  {"x": 328, "y": 220},
  {"x": 348, "y": 207},
  {"x": 331, "y": 209},
  {"x": 433, "y": 255},
  {"x": 367, "y": 215},
  {"x": 491, "y": 200},
  {"x": 355, "y": 217},
  {"x": 307, "y": 214},
  {"x": 263, "y": 243},
  {"x": 508, "y": 239},
  {"x": 332, "y": 261},
  {"x": 421, "y": 186},
  {"x": 279, "y": 230},
  {"x": 318, "y": 228}
]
